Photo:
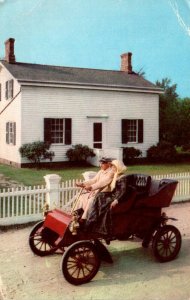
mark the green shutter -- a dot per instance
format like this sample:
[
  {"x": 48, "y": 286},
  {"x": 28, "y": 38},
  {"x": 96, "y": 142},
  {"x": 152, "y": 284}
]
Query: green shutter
[
  {"x": 68, "y": 131},
  {"x": 47, "y": 130},
  {"x": 124, "y": 131},
  {"x": 140, "y": 131}
]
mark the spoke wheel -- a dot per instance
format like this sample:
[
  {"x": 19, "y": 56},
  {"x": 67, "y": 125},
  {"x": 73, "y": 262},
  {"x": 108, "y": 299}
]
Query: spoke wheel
[
  {"x": 166, "y": 243},
  {"x": 80, "y": 262},
  {"x": 41, "y": 240}
]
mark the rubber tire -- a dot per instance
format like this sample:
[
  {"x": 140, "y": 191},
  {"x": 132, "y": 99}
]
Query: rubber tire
[
  {"x": 73, "y": 251},
  {"x": 166, "y": 243},
  {"x": 39, "y": 246}
]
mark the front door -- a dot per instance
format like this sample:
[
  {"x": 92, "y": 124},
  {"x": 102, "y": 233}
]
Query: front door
[{"x": 97, "y": 135}]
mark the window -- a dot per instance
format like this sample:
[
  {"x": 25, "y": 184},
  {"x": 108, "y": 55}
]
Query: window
[
  {"x": 58, "y": 131},
  {"x": 97, "y": 135},
  {"x": 9, "y": 89},
  {"x": 11, "y": 133},
  {"x": 132, "y": 131}
]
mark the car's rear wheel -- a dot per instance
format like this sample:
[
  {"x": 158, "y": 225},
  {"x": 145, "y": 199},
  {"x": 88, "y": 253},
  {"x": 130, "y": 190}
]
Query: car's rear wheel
[{"x": 166, "y": 243}]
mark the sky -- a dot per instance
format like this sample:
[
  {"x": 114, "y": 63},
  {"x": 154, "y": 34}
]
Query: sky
[{"x": 94, "y": 33}]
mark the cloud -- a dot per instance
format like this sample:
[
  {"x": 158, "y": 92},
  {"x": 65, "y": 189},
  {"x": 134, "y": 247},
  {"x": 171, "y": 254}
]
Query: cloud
[{"x": 179, "y": 14}]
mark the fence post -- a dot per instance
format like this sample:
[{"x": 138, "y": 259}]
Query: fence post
[{"x": 52, "y": 184}]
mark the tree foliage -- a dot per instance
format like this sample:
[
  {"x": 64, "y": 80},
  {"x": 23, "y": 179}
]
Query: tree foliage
[
  {"x": 184, "y": 122},
  {"x": 174, "y": 115},
  {"x": 168, "y": 110}
]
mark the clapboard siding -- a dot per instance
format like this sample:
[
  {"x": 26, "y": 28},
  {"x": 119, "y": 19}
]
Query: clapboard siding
[
  {"x": 83, "y": 105},
  {"x": 10, "y": 113},
  {"x": 45, "y": 102}
]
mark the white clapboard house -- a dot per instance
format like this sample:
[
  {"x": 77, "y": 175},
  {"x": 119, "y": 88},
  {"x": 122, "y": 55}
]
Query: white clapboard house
[{"x": 103, "y": 109}]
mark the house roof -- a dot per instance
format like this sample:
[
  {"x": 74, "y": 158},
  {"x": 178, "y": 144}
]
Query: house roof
[{"x": 36, "y": 73}]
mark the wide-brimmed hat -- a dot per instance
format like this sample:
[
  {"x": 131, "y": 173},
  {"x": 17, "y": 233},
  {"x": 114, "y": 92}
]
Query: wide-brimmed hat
[{"x": 121, "y": 168}]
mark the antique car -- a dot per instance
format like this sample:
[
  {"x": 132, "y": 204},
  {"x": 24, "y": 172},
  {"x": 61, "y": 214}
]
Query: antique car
[{"x": 141, "y": 215}]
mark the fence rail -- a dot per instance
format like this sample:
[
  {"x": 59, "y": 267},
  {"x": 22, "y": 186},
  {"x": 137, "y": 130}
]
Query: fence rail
[{"x": 25, "y": 204}]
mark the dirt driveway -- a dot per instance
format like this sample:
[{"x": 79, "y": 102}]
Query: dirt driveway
[{"x": 134, "y": 275}]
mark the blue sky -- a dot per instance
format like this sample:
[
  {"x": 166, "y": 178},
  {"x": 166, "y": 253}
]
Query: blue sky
[{"x": 94, "y": 33}]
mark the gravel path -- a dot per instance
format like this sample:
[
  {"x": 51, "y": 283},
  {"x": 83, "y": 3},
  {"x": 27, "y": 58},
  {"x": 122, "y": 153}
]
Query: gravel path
[{"x": 134, "y": 275}]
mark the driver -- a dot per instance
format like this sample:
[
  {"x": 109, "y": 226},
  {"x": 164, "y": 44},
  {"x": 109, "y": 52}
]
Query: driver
[{"x": 99, "y": 184}]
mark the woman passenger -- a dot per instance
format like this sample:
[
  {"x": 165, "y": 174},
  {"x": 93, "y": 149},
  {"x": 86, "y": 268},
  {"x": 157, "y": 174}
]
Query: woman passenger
[{"x": 99, "y": 215}]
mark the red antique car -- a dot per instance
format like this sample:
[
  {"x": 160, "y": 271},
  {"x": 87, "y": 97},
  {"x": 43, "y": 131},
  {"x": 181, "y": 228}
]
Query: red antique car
[{"x": 140, "y": 215}]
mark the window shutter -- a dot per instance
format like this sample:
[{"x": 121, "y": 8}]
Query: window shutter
[
  {"x": 140, "y": 131},
  {"x": 11, "y": 87},
  {"x": 47, "y": 130},
  {"x": 68, "y": 131},
  {"x": 7, "y": 132},
  {"x": 124, "y": 131},
  {"x": 6, "y": 89},
  {"x": 14, "y": 136}
]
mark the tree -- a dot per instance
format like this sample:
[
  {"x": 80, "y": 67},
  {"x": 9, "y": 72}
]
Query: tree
[
  {"x": 36, "y": 151},
  {"x": 141, "y": 73},
  {"x": 168, "y": 112},
  {"x": 184, "y": 122}
]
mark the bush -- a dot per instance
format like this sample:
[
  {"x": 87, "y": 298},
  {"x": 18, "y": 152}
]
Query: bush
[
  {"x": 130, "y": 153},
  {"x": 183, "y": 157},
  {"x": 36, "y": 151},
  {"x": 162, "y": 152},
  {"x": 186, "y": 148},
  {"x": 79, "y": 153}
]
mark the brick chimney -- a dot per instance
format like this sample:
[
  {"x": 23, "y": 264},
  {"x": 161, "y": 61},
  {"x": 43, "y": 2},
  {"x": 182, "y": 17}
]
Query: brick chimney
[
  {"x": 9, "y": 51},
  {"x": 126, "y": 62}
]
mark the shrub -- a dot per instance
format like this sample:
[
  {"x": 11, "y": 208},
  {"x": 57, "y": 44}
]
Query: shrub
[
  {"x": 186, "y": 148},
  {"x": 130, "y": 153},
  {"x": 183, "y": 157},
  {"x": 36, "y": 151},
  {"x": 79, "y": 153},
  {"x": 162, "y": 152}
]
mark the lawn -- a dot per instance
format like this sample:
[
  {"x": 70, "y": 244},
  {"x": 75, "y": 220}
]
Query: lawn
[{"x": 28, "y": 176}]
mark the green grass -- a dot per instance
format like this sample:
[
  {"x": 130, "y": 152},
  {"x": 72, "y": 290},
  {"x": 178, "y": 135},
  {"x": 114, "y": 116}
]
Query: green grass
[{"x": 28, "y": 176}]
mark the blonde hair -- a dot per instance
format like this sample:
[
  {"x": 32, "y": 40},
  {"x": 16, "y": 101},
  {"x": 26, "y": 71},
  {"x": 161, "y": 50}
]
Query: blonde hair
[{"x": 120, "y": 169}]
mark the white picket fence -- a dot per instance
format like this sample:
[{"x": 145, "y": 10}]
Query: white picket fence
[
  {"x": 25, "y": 204},
  {"x": 182, "y": 192}
]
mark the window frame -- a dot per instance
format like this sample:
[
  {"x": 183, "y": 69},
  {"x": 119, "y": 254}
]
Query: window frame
[
  {"x": 51, "y": 123},
  {"x": 125, "y": 130},
  {"x": 57, "y": 131},
  {"x": 11, "y": 133},
  {"x": 133, "y": 131},
  {"x": 9, "y": 89}
]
